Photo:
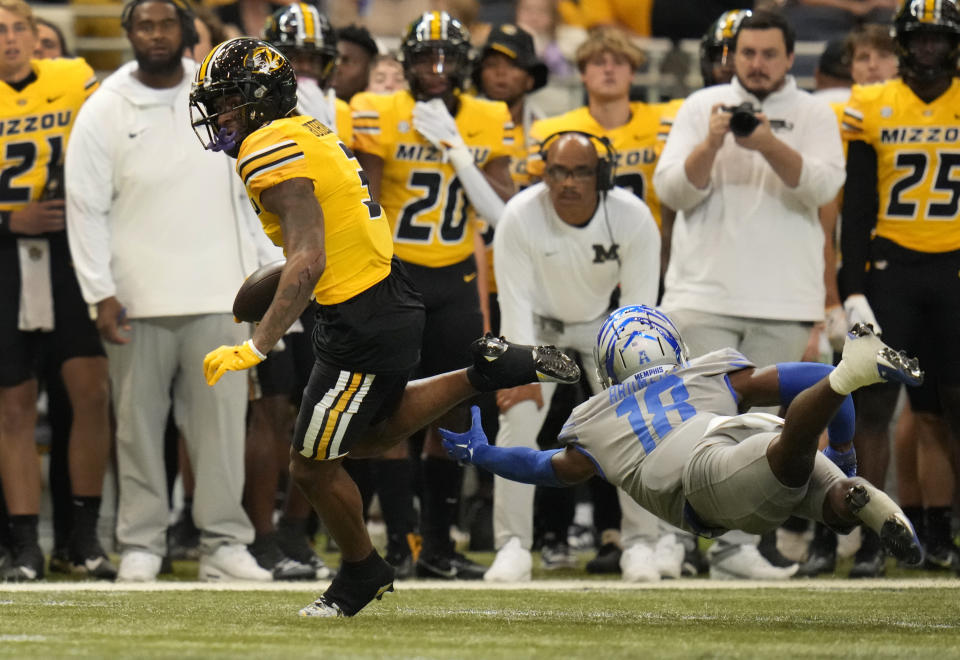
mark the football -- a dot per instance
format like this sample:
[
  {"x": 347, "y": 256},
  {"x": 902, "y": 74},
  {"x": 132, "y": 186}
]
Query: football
[{"x": 257, "y": 291}]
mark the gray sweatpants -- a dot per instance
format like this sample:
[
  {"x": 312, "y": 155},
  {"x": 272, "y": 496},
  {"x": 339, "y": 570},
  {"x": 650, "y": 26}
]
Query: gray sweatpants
[{"x": 165, "y": 357}]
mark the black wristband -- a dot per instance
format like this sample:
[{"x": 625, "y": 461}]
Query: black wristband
[{"x": 5, "y": 223}]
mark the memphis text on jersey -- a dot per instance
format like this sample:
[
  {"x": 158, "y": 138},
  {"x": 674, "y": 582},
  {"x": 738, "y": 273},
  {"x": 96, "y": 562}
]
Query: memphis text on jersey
[
  {"x": 34, "y": 123},
  {"x": 427, "y": 153}
]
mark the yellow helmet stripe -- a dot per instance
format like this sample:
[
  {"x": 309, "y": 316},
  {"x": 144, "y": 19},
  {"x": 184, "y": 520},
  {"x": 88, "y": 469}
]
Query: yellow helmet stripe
[
  {"x": 308, "y": 23},
  {"x": 202, "y": 73},
  {"x": 435, "y": 26}
]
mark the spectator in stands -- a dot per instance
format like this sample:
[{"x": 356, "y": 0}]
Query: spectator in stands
[
  {"x": 541, "y": 19},
  {"x": 162, "y": 295},
  {"x": 357, "y": 52},
  {"x": 832, "y": 78},
  {"x": 246, "y": 17},
  {"x": 386, "y": 75},
  {"x": 767, "y": 310},
  {"x": 901, "y": 254},
  {"x": 872, "y": 55},
  {"x": 50, "y": 41},
  {"x": 42, "y": 316},
  {"x": 607, "y": 62},
  {"x": 210, "y": 32},
  {"x": 674, "y": 19}
]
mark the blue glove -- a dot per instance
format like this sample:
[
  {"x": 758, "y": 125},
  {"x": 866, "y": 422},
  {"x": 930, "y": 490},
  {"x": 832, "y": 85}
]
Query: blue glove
[
  {"x": 846, "y": 461},
  {"x": 461, "y": 446}
]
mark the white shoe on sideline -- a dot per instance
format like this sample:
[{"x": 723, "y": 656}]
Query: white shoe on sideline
[
  {"x": 139, "y": 566},
  {"x": 638, "y": 564},
  {"x": 512, "y": 563},
  {"x": 668, "y": 556},
  {"x": 744, "y": 562},
  {"x": 232, "y": 562}
]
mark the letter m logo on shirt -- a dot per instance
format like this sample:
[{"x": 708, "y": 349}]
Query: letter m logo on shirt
[{"x": 600, "y": 254}]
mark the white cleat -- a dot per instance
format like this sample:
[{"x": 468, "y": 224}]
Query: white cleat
[
  {"x": 867, "y": 360},
  {"x": 513, "y": 563},
  {"x": 232, "y": 562},
  {"x": 668, "y": 556},
  {"x": 882, "y": 515},
  {"x": 744, "y": 562},
  {"x": 638, "y": 564},
  {"x": 139, "y": 566}
]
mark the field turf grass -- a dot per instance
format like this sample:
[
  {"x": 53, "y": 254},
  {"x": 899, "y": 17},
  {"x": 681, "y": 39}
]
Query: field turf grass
[{"x": 889, "y": 618}]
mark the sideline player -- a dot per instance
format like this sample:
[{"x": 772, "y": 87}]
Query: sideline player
[
  {"x": 436, "y": 160},
  {"x": 672, "y": 433},
  {"x": 370, "y": 318},
  {"x": 901, "y": 244}
]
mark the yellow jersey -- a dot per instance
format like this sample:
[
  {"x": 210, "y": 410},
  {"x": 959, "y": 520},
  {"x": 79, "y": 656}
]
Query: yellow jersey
[
  {"x": 344, "y": 121},
  {"x": 35, "y": 127},
  {"x": 638, "y": 143},
  {"x": 355, "y": 230},
  {"x": 918, "y": 161},
  {"x": 431, "y": 219}
]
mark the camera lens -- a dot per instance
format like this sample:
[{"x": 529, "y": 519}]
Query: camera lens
[{"x": 742, "y": 122}]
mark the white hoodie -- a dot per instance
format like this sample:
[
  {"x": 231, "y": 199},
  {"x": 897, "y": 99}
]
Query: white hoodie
[{"x": 152, "y": 217}]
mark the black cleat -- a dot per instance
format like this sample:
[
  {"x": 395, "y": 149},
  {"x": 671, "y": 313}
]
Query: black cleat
[
  {"x": 269, "y": 555},
  {"x": 453, "y": 566},
  {"x": 607, "y": 560},
  {"x": 26, "y": 565},
  {"x": 353, "y": 588},
  {"x": 498, "y": 364},
  {"x": 817, "y": 563}
]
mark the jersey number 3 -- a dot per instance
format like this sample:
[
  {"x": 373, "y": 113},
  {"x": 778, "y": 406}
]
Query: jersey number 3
[{"x": 651, "y": 417}]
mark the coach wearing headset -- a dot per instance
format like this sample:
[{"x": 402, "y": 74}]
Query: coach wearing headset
[{"x": 560, "y": 249}]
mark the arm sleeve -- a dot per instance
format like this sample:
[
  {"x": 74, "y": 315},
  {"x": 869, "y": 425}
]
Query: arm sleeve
[
  {"x": 528, "y": 466},
  {"x": 88, "y": 172},
  {"x": 822, "y": 172},
  {"x": 795, "y": 377},
  {"x": 640, "y": 272},
  {"x": 670, "y": 177},
  {"x": 512, "y": 267},
  {"x": 859, "y": 215}
]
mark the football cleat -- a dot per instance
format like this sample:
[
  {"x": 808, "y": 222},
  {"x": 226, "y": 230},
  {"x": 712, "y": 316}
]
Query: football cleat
[
  {"x": 883, "y": 516},
  {"x": 26, "y": 565},
  {"x": 499, "y": 364},
  {"x": 892, "y": 366}
]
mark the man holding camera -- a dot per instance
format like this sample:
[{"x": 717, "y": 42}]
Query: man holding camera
[{"x": 746, "y": 166}]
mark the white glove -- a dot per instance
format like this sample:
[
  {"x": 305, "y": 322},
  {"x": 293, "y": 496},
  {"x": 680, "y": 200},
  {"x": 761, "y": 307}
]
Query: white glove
[
  {"x": 836, "y": 326},
  {"x": 858, "y": 311},
  {"x": 434, "y": 122}
]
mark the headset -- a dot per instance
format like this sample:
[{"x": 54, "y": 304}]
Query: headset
[
  {"x": 184, "y": 12},
  {"x": 606, "y": 165}
]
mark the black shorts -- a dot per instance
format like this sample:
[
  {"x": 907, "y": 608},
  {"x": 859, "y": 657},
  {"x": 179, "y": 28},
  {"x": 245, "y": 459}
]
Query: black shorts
[
  {"x": 916, "y": 299},
  {"x": 453, "y": 319},
  {"x": 377, "y": 331},
  {"x": 73, "y": 335}
]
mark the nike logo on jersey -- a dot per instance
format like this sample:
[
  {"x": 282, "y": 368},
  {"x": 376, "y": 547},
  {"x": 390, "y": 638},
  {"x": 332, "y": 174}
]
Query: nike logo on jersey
[
  {"x": 473, "y": 134},
  {"x": 469, "y": 277},
  {"x": 133, "y": 135},
  {"x": 51, "y": 99}
]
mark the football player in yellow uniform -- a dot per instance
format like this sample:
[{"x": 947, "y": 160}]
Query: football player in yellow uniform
[
  {"x": 312, "y": 198},
  {"x": 43, "y": 316},
  {"x": 436, "y": 160},
  {"x": 901, "y": 236},
  {"x": 307, "y": 39},
  {"x": 607, "y": 61}
]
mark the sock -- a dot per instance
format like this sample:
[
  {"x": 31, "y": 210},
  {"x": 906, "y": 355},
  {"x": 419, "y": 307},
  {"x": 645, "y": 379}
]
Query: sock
[
  {"x": 23, "y": 530},
  {"x": 915, "y": 514},
  {"x": 936, "y": 521},
  {"x": 86, "y": 512},
  {"x": 394, "y": 479},
  {"x": 441, "y": 500}
]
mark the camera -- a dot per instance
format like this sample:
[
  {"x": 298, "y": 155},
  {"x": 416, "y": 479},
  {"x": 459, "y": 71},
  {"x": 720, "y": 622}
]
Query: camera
[{"x": 743, "y": 119}]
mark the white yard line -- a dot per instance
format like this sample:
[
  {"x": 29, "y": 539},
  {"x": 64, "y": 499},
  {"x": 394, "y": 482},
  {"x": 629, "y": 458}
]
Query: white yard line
[{"x": 536, "y": 585}]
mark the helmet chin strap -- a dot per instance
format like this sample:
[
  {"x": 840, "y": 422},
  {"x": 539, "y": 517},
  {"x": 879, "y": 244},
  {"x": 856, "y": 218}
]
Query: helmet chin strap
[{"x": 225, "y": 140}]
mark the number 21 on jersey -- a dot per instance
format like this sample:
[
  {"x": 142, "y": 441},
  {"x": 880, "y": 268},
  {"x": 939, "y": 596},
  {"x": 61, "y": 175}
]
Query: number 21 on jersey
[{"x": 648, "y": 417}]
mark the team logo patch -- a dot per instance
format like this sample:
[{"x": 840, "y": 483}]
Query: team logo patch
[
  {"x": 886, "y": 112},
  {"x": 263, "y": 60},
  {"x": 403, "y": 127}
]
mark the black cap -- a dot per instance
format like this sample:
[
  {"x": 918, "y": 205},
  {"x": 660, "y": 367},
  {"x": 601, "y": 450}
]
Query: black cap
[
  {"x": 517, "y": 44},
  {"x": 835, "y": 61}
]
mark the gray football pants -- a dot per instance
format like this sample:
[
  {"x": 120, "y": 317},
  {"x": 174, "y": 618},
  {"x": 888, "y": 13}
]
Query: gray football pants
[
  {"x": 519, "y": 427},
  {"x": 762, "y": 341},
  {"x": 164, "y": 357}
]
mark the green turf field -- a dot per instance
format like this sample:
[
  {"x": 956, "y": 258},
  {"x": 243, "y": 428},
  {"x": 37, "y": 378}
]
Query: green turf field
[{"x": 598, "y": 620}]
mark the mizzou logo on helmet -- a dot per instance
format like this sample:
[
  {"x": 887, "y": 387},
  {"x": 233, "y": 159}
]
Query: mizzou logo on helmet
[{"x": 264, "y": 60}]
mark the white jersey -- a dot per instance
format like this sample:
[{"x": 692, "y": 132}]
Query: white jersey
[
  {"x": 641, "y": 433},
  {"x": 548, "y": 269}
]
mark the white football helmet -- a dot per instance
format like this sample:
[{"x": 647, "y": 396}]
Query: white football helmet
[{"x": 635, "y": 338}]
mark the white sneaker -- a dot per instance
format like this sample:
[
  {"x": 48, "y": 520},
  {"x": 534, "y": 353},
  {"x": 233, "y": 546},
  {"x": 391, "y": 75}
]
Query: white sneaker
[
  {"x": 512, "y": 564},
  {"x": 744, "y": 562},
  {"x": 668, "y": 556},
  {"x": 232, "y": 562},
  {"x": 867, "y": 360},
  {"x": 638, "y": 564},
  {"x": 138, "y": 566}
]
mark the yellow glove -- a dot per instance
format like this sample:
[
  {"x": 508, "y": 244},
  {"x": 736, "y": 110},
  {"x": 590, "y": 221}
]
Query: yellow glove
[{"x": 230, "y": 358}]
